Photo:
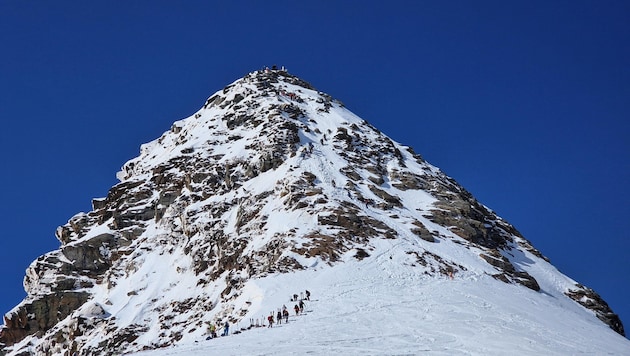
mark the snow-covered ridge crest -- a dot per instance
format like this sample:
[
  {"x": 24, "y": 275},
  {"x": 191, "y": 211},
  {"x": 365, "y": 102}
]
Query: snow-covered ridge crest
[{"x": 270, "y": 177}]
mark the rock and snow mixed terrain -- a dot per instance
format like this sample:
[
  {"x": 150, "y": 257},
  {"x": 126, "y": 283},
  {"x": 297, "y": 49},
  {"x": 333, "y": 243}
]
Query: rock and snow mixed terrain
[
  {"x": 271, "y": 188},
  {"x": 383, "y": 306}
]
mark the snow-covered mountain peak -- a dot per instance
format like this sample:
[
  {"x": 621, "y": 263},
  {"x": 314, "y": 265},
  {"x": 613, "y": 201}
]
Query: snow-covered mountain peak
[
  {"x": 250, "y": 117},
  {"x": 270, "y": 178}
]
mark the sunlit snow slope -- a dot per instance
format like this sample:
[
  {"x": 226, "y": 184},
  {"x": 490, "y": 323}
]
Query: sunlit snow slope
[{"x": 383, "y": 306}]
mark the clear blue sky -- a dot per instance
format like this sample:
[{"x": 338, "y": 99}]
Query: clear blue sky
[{"x": 525, "y": 103}]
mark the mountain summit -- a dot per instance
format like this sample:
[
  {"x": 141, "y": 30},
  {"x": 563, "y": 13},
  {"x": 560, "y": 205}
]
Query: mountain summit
[{"x": 272, "y": 178}]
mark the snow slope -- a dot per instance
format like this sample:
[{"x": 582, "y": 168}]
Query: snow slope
[{"x": 382, "y": 306}]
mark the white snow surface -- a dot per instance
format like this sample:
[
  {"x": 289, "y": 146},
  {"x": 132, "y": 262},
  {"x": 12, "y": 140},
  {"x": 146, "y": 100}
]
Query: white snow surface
[{"x": 382, "y": 306}]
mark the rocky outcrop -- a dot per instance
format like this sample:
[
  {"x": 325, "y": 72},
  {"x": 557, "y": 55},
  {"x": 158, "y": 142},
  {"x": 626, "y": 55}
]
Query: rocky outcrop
[
  {"x": 421, "y": 231},
  {"x": 93, "y": 254},
  {"x": 508, "y": 272},
  {"x": 38, "y": 316},
  {"x": 589, "y": 299}
]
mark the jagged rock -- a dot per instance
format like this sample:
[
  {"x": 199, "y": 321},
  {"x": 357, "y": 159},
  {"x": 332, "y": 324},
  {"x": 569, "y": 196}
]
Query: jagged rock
[
  {"x": 91, "y": 254},
  {"x": 329, "y": 248},
  {"x": 436, "y": 264},
  {"x": 39, "y": 315},
  {"x": 421, "y": 231},
  {"x": 526, "y": 279},
  {"x": 361, "y": 254},
  {"x": 357, "y": 227},
  {"x": 350, "y": 173},
  {"x": 591, "y": 300},
  {"x": 40, "y": 274},
  {"x": 390, "y": 199},
  {"x": 377, "y": 180},
  {"x": 509, "y": 273},
  {"x": 498, "y": 261},
  {"x": 406, "y": 180},
  {"x": 470, "y": 221}
]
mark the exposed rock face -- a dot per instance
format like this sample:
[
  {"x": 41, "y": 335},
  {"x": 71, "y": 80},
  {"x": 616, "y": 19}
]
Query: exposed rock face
[
  {"x": 199, "y": 206},
  {"x": 591, "y": 300},
  {"x": 38, "y": 316}
]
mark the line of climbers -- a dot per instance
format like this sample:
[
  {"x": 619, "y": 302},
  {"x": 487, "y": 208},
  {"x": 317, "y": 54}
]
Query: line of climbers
[
  {"x": 212, "y": 330},
  {"x": 282, "y": 313},
  {"x": 267, "y": 84},
  {"x": 291, "y": 96}
]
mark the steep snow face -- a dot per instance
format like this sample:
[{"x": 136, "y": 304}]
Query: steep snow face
[{"x": 272, "y": 180}]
